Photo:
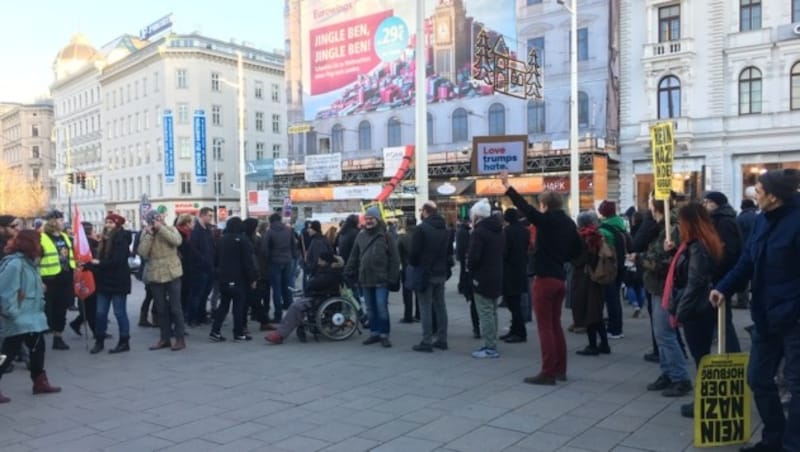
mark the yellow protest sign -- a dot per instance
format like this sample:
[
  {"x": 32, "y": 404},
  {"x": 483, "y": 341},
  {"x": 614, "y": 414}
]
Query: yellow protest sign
[
  {"x": 662, "y": 142},
  {"x": 722, "y": 401}
]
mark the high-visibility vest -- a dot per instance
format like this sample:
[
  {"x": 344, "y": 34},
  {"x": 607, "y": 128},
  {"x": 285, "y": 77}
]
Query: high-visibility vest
[{"x": 50, "y": 264}]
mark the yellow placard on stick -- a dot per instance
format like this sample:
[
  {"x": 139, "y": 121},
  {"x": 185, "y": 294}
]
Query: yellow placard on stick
[{"x": 662, "y": 141}]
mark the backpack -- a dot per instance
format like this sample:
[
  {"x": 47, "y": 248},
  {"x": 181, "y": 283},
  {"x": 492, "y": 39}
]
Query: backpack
[
  {"x": 605, "y": 271},
  {"x": 623, "y": 243}
]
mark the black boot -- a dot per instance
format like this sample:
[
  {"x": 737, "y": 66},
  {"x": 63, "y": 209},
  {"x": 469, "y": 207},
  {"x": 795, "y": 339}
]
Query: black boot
[
  {"x": 98, "y": 346},
  {"x": 122, "y": 346},
  {"x": 59, "y": 344}
]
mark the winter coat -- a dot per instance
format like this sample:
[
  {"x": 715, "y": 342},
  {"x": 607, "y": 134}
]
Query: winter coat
[
  {"x": 237, "y": 265},
  {"x": 202, "y": 241},
  {"x": 278, "y": 244},
  {"x": 161, "y": 251},
  {"x": 654, "y": 260},
  {"x": 485, "y": 257},
  {"x": 557, "y": 237},
  {"x": 769, "y": 261},
  {"x": 431, "y": 248},
  {"x": 327, "y": 281},
  {"x": 404, "y": 245},
  {"x": 616, "y": 223},
  {"x": 515, "y": 259},
  {"x": 316, "y": 247},
  {"x": 462, "y": 242},
  {"x": 746, "y": 221},
  {"x": 587, "y": 296},
  {"x": 345, "y": 240},
  {"x": 692, "y": 283},
  {"x": 19, "y": 276},
  {"x": 374, "y": 259},
  {"x": 112, "y": 275},
  {"x": 724, "y": 219}
]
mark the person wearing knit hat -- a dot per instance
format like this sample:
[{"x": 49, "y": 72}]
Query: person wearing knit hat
[
  {"x": 769, "y": 262},
  {"x": 480, "y": 210},
  {"x": 115, "y": 219},
  {"x": 373, "y": 212},
  {"x": 607, "y": 209},
  {"x": 718, "y": 198}
]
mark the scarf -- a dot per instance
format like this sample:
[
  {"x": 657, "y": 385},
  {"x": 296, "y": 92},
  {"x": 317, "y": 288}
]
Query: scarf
[
  {"x": 592, "y": 238},
  {"x": 670, "y": 282}
]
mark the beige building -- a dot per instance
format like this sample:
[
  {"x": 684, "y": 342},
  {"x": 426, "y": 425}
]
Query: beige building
[{"x": 25, "y": 131}]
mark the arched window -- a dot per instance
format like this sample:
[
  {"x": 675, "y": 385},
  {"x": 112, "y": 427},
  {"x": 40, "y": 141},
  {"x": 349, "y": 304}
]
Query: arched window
[
  {"x": 497, "y": 119},
  {"x": 393, "y": 132},
  {"x": 669, "y": 97},
  {"x": 750, "y": 91},
  {"x": 460, "y": 127},
  {"x": 795, "y": 86},
  {"x": 583, "y": 110},
  {"x": 536, "y": 116},
  {"x": 337, "y": 138},
  {"x": 430, "y": 128},
  {"x": 364, "y": 136}
]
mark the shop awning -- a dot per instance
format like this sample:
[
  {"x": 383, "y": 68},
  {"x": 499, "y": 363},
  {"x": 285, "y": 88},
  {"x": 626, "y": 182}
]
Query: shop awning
[{"x": 450, "y": 188}]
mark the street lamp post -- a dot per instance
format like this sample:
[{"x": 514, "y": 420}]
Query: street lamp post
[
  {"x": 574, "y": 155},
  {"x": 421, "y": 147},
  {"x": 242, "y": 163}
]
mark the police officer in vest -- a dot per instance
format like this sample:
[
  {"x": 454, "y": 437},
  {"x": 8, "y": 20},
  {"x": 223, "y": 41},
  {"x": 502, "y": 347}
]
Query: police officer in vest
[{"x": 56, "y": 268}]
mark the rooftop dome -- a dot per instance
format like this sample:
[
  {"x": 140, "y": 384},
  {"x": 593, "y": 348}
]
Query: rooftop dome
[{"x": 74, "y": 56}]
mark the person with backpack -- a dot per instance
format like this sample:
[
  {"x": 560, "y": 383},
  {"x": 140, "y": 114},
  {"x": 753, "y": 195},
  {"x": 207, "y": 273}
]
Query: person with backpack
[
  {"x": 616, "y": 235},
  {"x": 587, "y": 292},
  {"x": 557, "y": 243}
]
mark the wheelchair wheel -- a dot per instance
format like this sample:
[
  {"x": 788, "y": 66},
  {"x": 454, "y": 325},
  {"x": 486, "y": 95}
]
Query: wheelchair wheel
[{"x": 337, "y": 318}]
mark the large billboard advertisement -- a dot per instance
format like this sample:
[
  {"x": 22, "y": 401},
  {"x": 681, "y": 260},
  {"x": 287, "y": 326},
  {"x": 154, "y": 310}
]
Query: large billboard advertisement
[{"x": 358, "y": 56}]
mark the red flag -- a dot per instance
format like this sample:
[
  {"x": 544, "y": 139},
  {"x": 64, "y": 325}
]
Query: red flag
[{"x": 83, "y": 280}]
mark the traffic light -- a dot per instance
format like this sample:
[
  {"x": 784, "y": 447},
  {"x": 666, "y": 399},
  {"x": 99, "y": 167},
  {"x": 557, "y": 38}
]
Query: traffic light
[
  {"x": 82, "y": 179},
  {"x": 71, "y": 178}
]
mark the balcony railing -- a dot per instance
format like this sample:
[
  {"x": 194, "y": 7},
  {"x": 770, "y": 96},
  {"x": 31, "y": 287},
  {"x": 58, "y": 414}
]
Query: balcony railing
[{"x": 669, "y": 48}]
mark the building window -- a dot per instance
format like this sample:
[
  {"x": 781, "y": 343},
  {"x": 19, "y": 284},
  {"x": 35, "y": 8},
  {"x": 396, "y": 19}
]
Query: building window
[
  {"x": 583, "y": 110},
  {"x": 181, "y": 78},
  {"x": 534, "y": 2},
  {"x": 276, "y": 92},
  {"x": 260, "y": 121},
  {"x": 364, "y": 136},
  {"x": 536, "y": 118},
  {"x": 749, "y": 15},
  {"x": 216, "y": 149},
  {"x": 538, "y": 44},
  {"x": 669, "y": 23},
  {"x": 155, "y": 84},
  {"x": 750, "y": 91},
  {"x": 35, "y": 152},
  {"x": 430, "y": 128},
  {"x": 337, "y": 138},
  {"x": 183, "y": 113},
  {"x": 184, "y": 147},
  {"x": 669, "y": 97},
  {"x": 393, "y": 132},
  {"x": 218, "y": 184},
  {"x": 259, "y": 90},
  {"x": 215, "y": 81},
  {"x": 35, "y": 174},
  {"x": 497, "y": 119},
  {"x": 276, "y": 151},
  {"x": 583, "y": 44},
  {"x": 186, "y": 183},
  {"x": 276, "y": 123},
  {"x": 795, "y": 87},
  {"x": 460, "y": 125},
  {"x": 144, "y": 86},
  {"x": 259, "y": 151},
  {"x": 216, "y": 115},
  {"x": 35, "y": 131}
]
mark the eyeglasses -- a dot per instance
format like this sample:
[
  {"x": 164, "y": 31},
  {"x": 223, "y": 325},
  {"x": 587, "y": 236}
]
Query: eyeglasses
[{"x": 15, "y": 226}]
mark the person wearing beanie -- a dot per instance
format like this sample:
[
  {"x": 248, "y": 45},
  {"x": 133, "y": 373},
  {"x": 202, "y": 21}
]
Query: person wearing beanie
[
  {"x": 557, "y": 242},
  {"x": 515, "y": 277},
  {"x": 615, "y": 233},
  {"x": 56, "y": 268},
  {"x": 374, "y": 264},
  {"x": 485, "y": 267},
  {"x": 769, "y": 262}
]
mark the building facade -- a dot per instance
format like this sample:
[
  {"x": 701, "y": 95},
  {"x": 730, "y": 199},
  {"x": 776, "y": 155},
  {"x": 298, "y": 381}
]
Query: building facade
[
  {"x": 136, "y": 83},
  {"x": 727, "y": 74}
]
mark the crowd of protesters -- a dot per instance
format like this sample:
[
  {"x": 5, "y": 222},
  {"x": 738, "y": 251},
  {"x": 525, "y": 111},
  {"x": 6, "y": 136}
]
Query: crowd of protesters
[{"x": 680, "y": 260}]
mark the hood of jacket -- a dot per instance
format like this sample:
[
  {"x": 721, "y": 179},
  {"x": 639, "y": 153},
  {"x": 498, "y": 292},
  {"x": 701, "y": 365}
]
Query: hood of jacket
[
  {"x": 436, "y": 220},
  {"x": 723, "y": 211},
  {"x": 616, "y": 221},
  {"x": 492, "y": 223}
]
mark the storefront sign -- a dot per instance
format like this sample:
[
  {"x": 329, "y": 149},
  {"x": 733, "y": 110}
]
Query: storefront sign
[
  {"x": 323, "y": 167},
  {"x": 156, "y": 27},
  {"x": 260, "y": 170},
  {"x": 662, "y": 141},
  {"x": 258, "y": 202},
  {"x": 356, "y": 192},
  {"x": 561, "y": 184},
  {"x": 492, "y": 155},
  {"x": 392, "y": 158},
  {"x": 524, "y": 185},
  {"x": 169, "y": 149},
  {"x": 722, "y": 401},
  {"x": 450, "y": 188},
  {"x": 200, "y": 170},
  {"x": 186, "y": 207}
]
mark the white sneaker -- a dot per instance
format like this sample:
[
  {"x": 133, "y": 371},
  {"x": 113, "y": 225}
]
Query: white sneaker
[
  {"x": 2, "y": 359},
  {"x": 485, "y": 353},
  {"x": 616, "y": 336}
]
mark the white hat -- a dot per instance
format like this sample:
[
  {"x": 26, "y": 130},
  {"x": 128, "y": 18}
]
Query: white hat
[{"x": 481, "y": 209}]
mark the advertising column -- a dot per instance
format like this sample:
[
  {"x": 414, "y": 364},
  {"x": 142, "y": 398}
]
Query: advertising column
[
  {"x": 200, "y": 170},
  {"x": 169, "y": 149}
]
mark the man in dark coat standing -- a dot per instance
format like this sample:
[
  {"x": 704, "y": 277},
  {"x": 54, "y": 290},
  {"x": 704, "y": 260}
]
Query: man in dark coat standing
[
  {"x": 279, "y": 248},
  {"x": 201, "y": 268},
  {"x": 769, "y": 261},
  {"x": 464, "y": 283},
  {"x": 515, "y": 278},
  {"x": 746, "y": 221}
]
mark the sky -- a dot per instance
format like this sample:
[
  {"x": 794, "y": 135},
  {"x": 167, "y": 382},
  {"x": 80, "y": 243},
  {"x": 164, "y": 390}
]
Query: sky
[{"x": 34, "y": 32}]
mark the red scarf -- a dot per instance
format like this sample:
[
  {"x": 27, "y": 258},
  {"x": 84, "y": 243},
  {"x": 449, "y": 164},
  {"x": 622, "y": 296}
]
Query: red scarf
[
  {"x": 667, "y": 295},
  {"x": 592, "y": 237}
]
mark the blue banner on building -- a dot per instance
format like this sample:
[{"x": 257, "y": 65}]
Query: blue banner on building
[
  {"x": 260, "y": 170},
  {"x": 200, "y": 168},
  {"x": 169, "y": 149}
]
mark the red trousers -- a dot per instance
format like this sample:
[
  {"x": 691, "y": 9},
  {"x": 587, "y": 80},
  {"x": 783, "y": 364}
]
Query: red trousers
[{"x": 548, "y": 295}]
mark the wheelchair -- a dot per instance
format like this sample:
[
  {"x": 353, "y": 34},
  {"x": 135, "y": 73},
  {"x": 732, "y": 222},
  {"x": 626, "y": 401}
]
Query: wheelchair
[{"x": 336, "y": 317}]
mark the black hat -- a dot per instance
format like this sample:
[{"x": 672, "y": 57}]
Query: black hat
[
  {"x": 53, "y": 214},
  {"x": 781, "y": 183},
  {"x": 315, "y": 225},
  {"x": 718, "y": 197},
  {"x": 748, "y": 204},
  {"x": 6, "y": 220}
]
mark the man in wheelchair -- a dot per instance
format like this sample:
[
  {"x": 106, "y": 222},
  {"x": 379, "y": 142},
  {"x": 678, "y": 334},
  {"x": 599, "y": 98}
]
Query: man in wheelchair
[{"x": 324, "y": 284}]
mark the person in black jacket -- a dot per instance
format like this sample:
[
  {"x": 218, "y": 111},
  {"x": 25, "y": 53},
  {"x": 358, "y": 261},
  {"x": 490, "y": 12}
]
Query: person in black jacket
[
  {"x": 724, "y": 218},
  {"x": 746, "y": 221},
  {"x": 347, "y": 237},
  {"x": 464, "y": 283},
  {"x": 557, "y": 242},
  {"x": 316, "y": 246},
  {"x": 237, "y": 274},
  {"x": 515, "y": 279},
  {"x": 279, "y": 250},
  {"x": 410, "y": 300},
  {"x": 113, "y": 283},
  {"x": 431, "y": 255},
  {"x": 647, "y": 232},
  {"x": 485, "y": 266}
]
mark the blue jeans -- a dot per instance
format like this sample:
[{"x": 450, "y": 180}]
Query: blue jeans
[
  {"x": 280, "y": 280},
  {"x": 635, "y": 296},
  {"x": 766, "y": 354},
  {"x": 614, "y": 308},
  {"x": 104, "y": 302},
  {"x": 672, "y": 361},
  {"x": 377, "y": 301},
  {"x": 201, "y": 285}
]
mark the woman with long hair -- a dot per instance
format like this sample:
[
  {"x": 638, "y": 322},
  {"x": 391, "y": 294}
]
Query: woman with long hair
[
  {"x": 22, "y": 305},
  {"x": 689, "y": 282}
]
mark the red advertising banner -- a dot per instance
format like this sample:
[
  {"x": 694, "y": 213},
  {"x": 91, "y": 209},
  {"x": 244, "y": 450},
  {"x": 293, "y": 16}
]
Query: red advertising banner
[
  {"x": 339, "y": 53},
  {"x": 561, "y": 184}
]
